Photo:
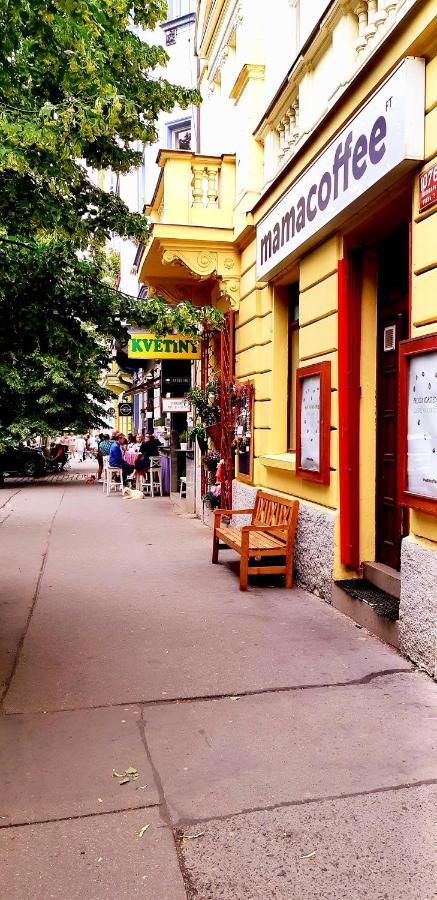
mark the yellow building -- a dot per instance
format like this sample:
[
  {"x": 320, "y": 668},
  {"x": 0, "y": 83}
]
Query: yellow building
[{"x": 319, "y": 230}]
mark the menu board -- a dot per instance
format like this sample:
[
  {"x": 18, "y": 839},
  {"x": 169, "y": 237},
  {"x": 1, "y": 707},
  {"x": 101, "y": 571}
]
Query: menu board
[
  {"x": 310, "y": 423},
  {"x": 422, "y": 425}
]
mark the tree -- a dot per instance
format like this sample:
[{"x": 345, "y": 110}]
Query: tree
[
  {"x": 76, "y": 87},
  {"x": 76, "y": 91},
  {"x": 57, "y": 316}
]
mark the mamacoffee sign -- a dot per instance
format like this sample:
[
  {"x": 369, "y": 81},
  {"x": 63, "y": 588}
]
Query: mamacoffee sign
[
  {"x": 173, "y": 346},
  {"x": 386, "y": 134}
]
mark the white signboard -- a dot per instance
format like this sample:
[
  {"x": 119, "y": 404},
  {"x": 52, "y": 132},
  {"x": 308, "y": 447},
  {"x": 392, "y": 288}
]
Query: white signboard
[
  {"x": 386, "y": 134},
  {"x": 310, "y": 424},
  {"x": 175, "y": 404},
  {"x": 422, "y": 425}
]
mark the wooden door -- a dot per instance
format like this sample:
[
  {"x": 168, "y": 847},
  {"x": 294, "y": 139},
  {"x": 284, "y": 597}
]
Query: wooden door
[{"x": 393, "y": 283}]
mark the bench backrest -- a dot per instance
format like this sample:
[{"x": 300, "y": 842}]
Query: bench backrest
[{"x": 273, "y": 510}]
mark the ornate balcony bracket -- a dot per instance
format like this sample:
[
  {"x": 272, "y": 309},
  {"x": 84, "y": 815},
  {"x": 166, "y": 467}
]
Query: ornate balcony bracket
[{"x": 222, "y": 265}]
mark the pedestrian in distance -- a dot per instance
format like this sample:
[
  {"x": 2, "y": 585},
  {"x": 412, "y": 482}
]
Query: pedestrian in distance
[
  {"x": 102, "y": 451},
  {"x": 80, "y": 449}
]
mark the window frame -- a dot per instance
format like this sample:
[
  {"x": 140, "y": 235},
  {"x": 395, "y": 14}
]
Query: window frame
[
  {"x": 409, "y": 349},
  {"x": 323, "y": 474}
]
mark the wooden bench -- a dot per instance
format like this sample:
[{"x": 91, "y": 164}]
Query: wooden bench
[{"x": 271, "y": 533}]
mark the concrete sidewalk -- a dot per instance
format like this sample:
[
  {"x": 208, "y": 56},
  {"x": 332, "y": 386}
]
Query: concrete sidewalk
[{"x": 295, "y": 752}]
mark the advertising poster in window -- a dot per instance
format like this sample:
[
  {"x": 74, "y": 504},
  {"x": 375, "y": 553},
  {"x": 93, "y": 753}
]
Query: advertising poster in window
[
  {"x": 310, "y": 424},
  {"x": 422, "y": 425},
  {"x": 313, "y": 422}
]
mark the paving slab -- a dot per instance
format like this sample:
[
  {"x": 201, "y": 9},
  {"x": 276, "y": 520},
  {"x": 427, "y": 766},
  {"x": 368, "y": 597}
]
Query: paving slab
[
  {"x": 377, "y": 847},
  {"x": 24, "y": 523},
  {"x": 140, "y": 579},
  {"x": 225, "y": 756},
  {"x": 98, "y": 858},
  {"x": 60, "y": 764}
]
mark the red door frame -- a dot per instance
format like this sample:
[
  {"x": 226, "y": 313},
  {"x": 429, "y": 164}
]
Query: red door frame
[{"x": 349, "y": 352}]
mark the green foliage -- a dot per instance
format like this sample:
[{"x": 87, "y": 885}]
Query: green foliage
[
  {"x": 77, "y": 88},
  {"x": 207, "y": 411},
  {"x": 75, "y": 84},
  {"x": 57, "y": 318}
]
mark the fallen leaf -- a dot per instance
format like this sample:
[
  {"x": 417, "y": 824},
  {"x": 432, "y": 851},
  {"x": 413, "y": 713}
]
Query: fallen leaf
[
  {"x": 131, "y": 771},
  {"x": 192, "y": 837},
  {"x": 116, "y": 774},
  {"x": 125, "y": 781},
  {"x": 309, "y": 855},
  {"x": 142, "y": 830}
]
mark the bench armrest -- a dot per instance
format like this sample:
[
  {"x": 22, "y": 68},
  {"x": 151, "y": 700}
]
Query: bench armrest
[{"x": 218, "y": 513}]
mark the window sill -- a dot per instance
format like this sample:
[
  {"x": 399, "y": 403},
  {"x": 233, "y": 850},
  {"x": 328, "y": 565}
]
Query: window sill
[{"x": 279, "y": 461}]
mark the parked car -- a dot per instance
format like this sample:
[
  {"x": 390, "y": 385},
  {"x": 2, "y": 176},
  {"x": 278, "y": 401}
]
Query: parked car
[{"x": 22, "y": 461}]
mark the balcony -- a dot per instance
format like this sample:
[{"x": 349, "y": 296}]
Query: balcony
[
  {"x": 191, "y": 251},
  {"x": 194, "y": 190}
]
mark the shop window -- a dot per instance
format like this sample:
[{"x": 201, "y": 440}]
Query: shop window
[{"x": 293, "y": 361}]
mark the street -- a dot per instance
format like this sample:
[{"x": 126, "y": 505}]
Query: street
[{"x": 277, "y": 750}]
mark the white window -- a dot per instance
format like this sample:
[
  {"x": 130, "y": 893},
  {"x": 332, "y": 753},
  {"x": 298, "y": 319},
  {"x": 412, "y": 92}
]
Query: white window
[
  {"x": 177, "y": 8},
  {"x": 179, "y": 135}
]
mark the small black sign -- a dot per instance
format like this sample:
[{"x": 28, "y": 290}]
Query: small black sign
[
  {"x": 125, "y": 409},
  {"x": 111, "y": 411}
]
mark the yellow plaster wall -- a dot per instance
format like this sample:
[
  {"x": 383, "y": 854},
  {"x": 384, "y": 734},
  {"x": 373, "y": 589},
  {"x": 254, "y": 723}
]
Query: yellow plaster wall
[{"x": 424, "y": 264}]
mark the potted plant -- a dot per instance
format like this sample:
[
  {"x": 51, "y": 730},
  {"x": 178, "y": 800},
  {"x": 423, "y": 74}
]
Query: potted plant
[
  {"x": 212, "y": 459},
  {"x": 208, "y": 409},
  {"x": 183, "y": 440},
  {"x": 197, "y": 432}
]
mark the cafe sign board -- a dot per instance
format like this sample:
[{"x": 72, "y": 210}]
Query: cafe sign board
[
  {"x": 143, "y": 345},
  {"x": 418, "y": 423},
  {"x": 382, "y": 140},
  {"x": 175, "y": 405}
]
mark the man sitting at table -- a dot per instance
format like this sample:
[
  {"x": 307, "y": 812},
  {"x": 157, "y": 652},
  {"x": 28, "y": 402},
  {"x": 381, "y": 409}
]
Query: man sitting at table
[{"x": 116, "y": 457}]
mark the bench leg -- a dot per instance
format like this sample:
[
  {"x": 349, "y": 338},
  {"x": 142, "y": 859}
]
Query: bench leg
[
  {"x": 289, "y": 570},
  {"x": 215, "y": 548},
  {"x": 244, "y": 562}
]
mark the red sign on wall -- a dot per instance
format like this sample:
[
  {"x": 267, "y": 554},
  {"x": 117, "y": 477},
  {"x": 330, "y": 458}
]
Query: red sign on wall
[{"x": 428, "y": 188}]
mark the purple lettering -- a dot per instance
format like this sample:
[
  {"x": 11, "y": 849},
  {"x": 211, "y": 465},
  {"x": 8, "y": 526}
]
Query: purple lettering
[
  {"x": 378, "y": 133},
  {"x": 359, "y": 164}
]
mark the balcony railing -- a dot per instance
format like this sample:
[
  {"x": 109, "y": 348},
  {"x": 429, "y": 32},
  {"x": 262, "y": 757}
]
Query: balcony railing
[
  {"x": 194, "y": 190},
  {"x": 349, "y": 36}
]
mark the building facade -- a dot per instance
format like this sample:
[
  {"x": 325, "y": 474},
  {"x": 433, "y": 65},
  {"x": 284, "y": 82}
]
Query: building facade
[{"x": 311, "y": 213}]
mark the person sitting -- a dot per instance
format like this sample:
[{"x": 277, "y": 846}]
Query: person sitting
[
  {"x": 103, "y": 449},
  {"x": 149, "y": 447},
  {"x": 116, "y": 458}
]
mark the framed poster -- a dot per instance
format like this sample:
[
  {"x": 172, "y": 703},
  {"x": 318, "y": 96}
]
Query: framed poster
[
  {"x": 417, "y": 433},
  {"x": 313, "y": 422}
]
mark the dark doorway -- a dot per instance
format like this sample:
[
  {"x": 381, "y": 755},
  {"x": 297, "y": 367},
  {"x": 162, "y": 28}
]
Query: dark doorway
[{"x": 393, "y": 305}]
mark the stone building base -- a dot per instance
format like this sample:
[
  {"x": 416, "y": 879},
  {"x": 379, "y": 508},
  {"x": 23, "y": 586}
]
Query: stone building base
[
  {"x": 418, "y": 606},
  {"x": 314, "y": 544}
]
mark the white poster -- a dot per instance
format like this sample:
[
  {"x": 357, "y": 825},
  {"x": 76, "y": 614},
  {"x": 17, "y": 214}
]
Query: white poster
[
  {"x": 310, "y": 423},
  {"x": 422, "y": 425}
]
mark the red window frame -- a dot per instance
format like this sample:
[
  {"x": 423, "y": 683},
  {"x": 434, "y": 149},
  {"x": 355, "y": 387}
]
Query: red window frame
[
  {"x": 407, "y": 350},
  {"x": 323, "y": 475}
]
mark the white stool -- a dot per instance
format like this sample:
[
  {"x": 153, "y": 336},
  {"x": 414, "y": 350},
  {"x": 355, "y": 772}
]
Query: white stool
[
  {"x": 108, "y": 481},
  {"x": 142, "y": 482},
  {"x": 155, "y": 476},
  {"x": 183, "y": 487}
]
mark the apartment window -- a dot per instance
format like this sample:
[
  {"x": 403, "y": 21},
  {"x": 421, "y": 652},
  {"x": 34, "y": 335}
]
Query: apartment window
[
  {"x": 293, "y": 360},
  {"x": 178, "y": 8},
  {"x": 179, "y": 135}
]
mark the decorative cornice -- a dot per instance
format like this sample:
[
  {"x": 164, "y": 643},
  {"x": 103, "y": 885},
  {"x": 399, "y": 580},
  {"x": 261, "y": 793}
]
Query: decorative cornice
[
  {"x": 223, "y": 265},
  {"x": 249, "y": 72}
]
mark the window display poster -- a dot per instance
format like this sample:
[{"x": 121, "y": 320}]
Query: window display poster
[
  {"x": 422, "y": 425},
  {"x": 310, "y": 424}
]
